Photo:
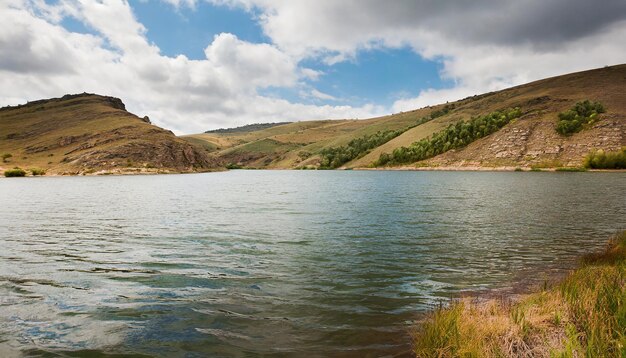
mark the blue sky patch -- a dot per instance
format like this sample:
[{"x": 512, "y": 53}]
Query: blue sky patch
[{"x": 189, "y": 31}]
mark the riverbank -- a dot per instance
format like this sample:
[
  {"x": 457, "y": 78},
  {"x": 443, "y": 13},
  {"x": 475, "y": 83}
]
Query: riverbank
[
  {"x": 582, "y": 315},
  {"x": 111, "y": 172},
  {"x": 492, "y": 169}
]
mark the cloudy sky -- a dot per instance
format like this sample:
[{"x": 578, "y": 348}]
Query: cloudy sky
[{"x": 194, "y": 65}]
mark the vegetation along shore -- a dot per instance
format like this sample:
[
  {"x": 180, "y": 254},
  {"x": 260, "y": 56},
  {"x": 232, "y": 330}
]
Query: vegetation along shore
[
  {"x": 584, "y": 315},
  {"x": 572, "y": 122}
]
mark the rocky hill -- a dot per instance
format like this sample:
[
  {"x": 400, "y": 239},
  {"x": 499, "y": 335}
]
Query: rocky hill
[
  {"x": 88, "y": 133},
  {"x": 531, "y": 140}
]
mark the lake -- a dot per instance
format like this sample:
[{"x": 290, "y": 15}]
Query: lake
[{"x": 277, "y": 263}]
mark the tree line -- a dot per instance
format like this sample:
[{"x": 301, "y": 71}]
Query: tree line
[
  {"x": 334, "y": 157},
  {"x": 583, "y": 113},
  {"x": 454, "y": 136}
]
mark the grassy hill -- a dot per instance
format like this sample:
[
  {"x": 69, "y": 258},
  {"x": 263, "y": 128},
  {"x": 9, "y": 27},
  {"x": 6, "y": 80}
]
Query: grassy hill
[
  {"x": 528, "y": 141},
  {"x": 86, "y": 133}
]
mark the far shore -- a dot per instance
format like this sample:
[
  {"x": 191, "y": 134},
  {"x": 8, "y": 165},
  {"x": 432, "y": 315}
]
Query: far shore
[
  {"x": 402, "y": 168},
  {"x": 488, "y": 169}
]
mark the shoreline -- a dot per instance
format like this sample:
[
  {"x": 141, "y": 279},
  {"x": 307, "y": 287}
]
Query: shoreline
[
  {"x": 577, "y": 314},
  {"x": 489, "y": 169},
  {"x": 403, "y": 168}
]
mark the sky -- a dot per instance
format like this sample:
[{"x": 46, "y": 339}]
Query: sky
[{"x": 195, "y": 65}]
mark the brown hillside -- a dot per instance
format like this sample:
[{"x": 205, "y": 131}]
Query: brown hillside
[
  {"x": 529, "y": 141},
  {"x": 532, "y": 140},
  {"x": 87, "y": 133}
]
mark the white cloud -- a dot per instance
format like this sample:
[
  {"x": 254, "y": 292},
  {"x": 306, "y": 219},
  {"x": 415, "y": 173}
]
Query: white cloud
[
  {"x": 39, "y": 59},
  {"x": 321, "y": 95},
  {"x": 310, "y": 74},
  {"x": 484, "y": 45}
]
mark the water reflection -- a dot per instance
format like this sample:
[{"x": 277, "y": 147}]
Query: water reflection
[{"x": 277, "y": 263}]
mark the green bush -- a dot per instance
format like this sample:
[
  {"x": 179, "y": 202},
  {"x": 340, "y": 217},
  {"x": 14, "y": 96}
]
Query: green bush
[
  {"x": 602, "y": 160},
  {"x": 6, "y": 156},
  {"x": 233, "y": 166},
  {"x": 304, "y": 155},
  {"x": 335, "y": 157},
  {"x": 455, "y": 136},
  {"x": 16, "y": 172},
  {"x": 37, "y": 171},
  {"x": 583, "y": 113}
]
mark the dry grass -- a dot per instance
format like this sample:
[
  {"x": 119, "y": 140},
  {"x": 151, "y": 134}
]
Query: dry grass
[
  {"x": 583, "y": 316},
  {"x": 540, "y": 145},
  {"x": 80, "y": 133}
]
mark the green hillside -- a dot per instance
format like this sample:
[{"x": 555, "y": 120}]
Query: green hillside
[{"x": 531, "y": 140}]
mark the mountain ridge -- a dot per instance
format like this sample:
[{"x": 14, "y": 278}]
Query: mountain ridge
[
  {"x": 529, "y": 141},
  {"x": 88, "y": 133}
]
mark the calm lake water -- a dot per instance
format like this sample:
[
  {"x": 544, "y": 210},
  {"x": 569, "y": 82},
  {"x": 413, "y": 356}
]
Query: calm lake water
[{"x": 276, "y": 263}]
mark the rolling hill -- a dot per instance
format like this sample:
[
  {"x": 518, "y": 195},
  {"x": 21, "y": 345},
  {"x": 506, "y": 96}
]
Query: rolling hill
[
  {"x": 528, "y": 141},
  {"x": 87, "y": 133}
]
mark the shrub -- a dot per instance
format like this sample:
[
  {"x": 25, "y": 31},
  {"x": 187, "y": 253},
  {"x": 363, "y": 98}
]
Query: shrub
[
  {"x": 583, "y": 113},
  {"x": 337, "y": 156},
  {"x": 304, "y": 155},
  {"x": 233, "y": 166},
  {"x": 16, "y": 172},
  {"x": 37, "y": 171},
  {"x": 602, "y": 160},
  {"x": 6, "y": 156},
  {"x": 455, "y": 136}
]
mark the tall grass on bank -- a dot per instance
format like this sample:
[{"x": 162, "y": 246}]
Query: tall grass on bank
[
  {"x": 606, "y": 160},
  {"x": 583, "y": 316},
  {"x": 15, "y": 172},
  {"x": 37, "y": 171}
]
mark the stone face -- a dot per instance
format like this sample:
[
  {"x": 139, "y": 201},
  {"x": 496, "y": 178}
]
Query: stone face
[{"x": 533, "y": 140}]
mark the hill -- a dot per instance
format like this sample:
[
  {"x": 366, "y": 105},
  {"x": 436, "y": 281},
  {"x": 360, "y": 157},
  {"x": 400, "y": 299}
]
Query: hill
[
  {"x": 87, "y": 133},
  {"x": 529, "y": 140},
  {"x": 247, "y": 128}
]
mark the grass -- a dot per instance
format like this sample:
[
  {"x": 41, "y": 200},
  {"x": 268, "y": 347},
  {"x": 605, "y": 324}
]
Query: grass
[
  {"x": 15, "y": 172},
  {"x": 233, "y": 166},
  {"x": 606, "y": 160},
  {"x": 571, "y": 169},
  {"x": 76, "y": 127},
  {"x": 541, "y": 101},
  {"x": 582, "y": 316},
  {"x": 37, "y": 171}
]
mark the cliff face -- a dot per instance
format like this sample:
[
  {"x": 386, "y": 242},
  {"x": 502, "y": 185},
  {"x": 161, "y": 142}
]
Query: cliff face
[{"x": 86, "y": 133}]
